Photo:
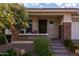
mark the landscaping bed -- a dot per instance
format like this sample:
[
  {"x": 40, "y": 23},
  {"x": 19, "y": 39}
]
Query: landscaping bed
[
  {"x": 69, "y": 44},
  {"x": 74, "y": 47},
  {"x": 40, "y": 47},
  {"x": 27, "y": 48}
]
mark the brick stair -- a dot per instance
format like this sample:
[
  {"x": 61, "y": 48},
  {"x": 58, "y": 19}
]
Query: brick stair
[{"x": 59, "y": 49}]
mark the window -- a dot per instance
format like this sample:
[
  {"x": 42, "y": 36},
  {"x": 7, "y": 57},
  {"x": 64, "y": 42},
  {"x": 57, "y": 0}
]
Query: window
[
  {"x": 22, "y": 31},
  {"x": 29, "y": 28},
  {"x": 42, "y": 26}
]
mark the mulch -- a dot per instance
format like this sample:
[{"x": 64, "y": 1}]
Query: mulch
[{"x": 27, "y": 47}]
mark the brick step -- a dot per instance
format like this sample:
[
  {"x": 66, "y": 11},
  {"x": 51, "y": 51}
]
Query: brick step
[
  {"x": 60, "y": 54},
  {"x": 59, "y": 44},
  {"x": 57, "y": 41},
  {"x": 65, "y": 54},
  {"x": 60, "y": 51},
  {"x": 59, "y": 48},
  {"x": 72, "y": 54}
]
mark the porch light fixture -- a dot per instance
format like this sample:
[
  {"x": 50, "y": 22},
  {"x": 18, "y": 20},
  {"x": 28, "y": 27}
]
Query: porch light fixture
[{"x": 51, "y": 22}]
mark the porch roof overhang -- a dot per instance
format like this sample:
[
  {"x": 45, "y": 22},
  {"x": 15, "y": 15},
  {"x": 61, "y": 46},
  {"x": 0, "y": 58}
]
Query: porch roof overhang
[{"x": 52, "y": 11}]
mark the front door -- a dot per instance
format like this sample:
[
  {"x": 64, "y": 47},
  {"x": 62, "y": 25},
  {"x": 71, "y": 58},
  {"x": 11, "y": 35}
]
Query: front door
[
  {"x": 60, "y": 32},
  {"x": 42, "y": 26}
]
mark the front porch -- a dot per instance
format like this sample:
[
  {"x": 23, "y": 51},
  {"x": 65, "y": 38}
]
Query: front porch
[
  {"x": 53, "y": 26},
  {"x": 47, "y": 23}
]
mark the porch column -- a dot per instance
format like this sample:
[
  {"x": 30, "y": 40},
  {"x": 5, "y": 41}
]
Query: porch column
[
  {"x": 35, "y": 25},
  {"x": 66, "y": 23}
]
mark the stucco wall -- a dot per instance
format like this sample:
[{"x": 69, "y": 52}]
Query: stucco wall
[
  {"x": 52, "y": 29},
  {"x": 34, "y": 23},
  {"x": 75, "y": 28}
]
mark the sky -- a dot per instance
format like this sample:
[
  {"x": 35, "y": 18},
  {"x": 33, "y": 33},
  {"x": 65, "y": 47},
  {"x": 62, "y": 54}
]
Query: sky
[
  {"x": 52, "y": 5},
  {"x": 39, "y": 1}
]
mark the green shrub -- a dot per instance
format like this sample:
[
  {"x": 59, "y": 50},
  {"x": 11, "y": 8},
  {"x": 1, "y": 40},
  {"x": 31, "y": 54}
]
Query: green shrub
[
  {"x": 9, "y": 52},
  {"x": 41, "y": 45},
  {"x": 69, "y": 44},
  {"x": 2, "y": 40}
]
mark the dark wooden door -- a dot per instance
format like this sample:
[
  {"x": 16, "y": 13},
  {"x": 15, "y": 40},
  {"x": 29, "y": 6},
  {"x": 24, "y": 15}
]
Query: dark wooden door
[{"x": 42, "y": 26}]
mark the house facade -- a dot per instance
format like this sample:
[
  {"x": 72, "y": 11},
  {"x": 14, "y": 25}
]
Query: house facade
[{"x": 60, "y": 23}]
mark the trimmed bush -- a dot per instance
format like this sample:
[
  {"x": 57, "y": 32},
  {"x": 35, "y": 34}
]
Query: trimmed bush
[
  {"x": 69, "y": 44},
  {"x": 41, "y": 45}
]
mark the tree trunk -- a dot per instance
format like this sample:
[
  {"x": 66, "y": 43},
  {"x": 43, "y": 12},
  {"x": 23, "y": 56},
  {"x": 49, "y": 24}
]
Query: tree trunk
[
  {"x": 6, "y": 40},
  {"x": 14, "y": 35}
]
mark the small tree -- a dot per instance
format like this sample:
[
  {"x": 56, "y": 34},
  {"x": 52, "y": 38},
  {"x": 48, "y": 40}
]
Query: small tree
[{"x": 13, "y": 16}]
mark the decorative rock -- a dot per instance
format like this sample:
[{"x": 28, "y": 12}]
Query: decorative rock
[
  {"x": 19, "y": 52},
  {"x": 77, "y": 52}
]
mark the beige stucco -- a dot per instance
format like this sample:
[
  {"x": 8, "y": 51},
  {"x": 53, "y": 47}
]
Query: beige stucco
[
  {"x": 57, "y": 17},
  {"x": 67, "y": 17},
  {"x": 75, "y": 18},
  {"x": 34, "y": 23},
  {"x": 52, "y": 29}
]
